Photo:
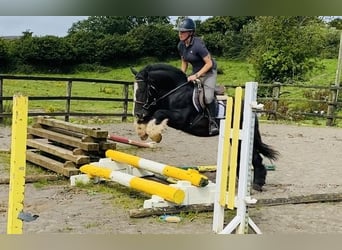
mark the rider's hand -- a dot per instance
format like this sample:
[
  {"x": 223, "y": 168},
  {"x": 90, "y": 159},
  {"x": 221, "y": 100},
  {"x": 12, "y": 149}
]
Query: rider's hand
[{"x": 192, "y": 78}]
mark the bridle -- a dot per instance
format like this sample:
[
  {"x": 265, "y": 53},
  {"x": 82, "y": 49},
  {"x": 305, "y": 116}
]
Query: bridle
[{"x": 146, "y": 105}]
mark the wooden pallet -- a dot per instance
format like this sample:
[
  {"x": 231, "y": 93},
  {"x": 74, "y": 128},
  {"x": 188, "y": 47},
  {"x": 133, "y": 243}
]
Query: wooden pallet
[{"x": 63, "y": 147}]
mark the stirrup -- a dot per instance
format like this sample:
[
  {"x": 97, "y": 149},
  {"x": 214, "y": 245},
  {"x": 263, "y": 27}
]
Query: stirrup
[{"x": 213, "y": 128}]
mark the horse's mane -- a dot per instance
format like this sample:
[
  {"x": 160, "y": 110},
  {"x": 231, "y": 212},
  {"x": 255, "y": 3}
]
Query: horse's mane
[{"x": 162, "y": 72}]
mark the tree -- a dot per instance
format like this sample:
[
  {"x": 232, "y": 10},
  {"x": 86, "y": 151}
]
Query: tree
[
  {"x": 336, "y": 23},
  {"x": 222, "y": 34},
  {"x": 46, "y": 52},
  {"x": 285, "y": 48},
  {"x": 158, "y": 40},
  {"x": 110, "y": 25}
]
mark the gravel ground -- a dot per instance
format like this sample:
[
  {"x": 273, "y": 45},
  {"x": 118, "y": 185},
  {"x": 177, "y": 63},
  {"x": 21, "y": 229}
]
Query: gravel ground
[{"x": 310, "y": 163}]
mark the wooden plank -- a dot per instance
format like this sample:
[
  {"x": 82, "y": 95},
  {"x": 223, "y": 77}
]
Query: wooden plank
[
  {"x": 45, "y": 146},
  {"x": 33, "y": 178},
  {"x": 107, "y": 145},
  {"x": 94, "y": 132},
  {"x": 64, "y": 139},
  {"x": 300, "y": 199},
  {"x": 145, "y": 212},
  {"x": 51, "y": 164}
]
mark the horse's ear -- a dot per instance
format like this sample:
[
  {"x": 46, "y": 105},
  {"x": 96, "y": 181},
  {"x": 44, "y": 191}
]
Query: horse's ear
[{"x": 134, "y": 71}]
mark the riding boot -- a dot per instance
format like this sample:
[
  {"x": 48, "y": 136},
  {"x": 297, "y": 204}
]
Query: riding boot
[{"x": 213, "y": 127}]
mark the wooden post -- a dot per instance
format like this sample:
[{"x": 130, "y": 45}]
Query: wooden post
[
  {"x": 275, "y": 99},
  {"x": 334, "y": 91},
  {"x": 125, "y": 104},
  {"x": 18, "y": 164},
  {"x": 68, "y": 101},
  {"x": 1, "y": 101}
]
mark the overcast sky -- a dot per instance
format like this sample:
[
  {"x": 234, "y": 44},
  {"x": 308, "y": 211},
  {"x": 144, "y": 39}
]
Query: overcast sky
[
  {"x": 44, "y": 25},
  {"x": 39, "y": 25}
]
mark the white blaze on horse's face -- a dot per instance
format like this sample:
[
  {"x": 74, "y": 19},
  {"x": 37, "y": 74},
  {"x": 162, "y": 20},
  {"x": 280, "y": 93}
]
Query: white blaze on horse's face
[{"x": 135, "y": 87}]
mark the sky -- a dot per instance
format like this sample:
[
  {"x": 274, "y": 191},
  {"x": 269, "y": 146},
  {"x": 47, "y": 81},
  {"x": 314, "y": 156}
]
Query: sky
[
  {"x": 39, "y": 25},
  {"x": 42, "y": 25}
]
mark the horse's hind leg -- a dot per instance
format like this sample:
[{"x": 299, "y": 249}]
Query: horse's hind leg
[{"x": 260, "y": 172}]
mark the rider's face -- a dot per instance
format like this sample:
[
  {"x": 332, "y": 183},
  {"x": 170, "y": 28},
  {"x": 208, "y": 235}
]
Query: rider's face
[{"x": 183, "y": 35}]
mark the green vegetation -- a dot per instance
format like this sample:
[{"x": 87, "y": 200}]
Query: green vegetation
[
  {"x": 231, "y": 73},
  {"x": 266, "y": 49}
]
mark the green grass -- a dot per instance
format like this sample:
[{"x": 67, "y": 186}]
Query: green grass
[{"x": 231, "y": 72}]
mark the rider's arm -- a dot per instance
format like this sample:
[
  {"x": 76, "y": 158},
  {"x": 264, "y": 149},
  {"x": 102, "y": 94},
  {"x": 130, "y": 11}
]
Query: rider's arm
[
  {"x": 184, "y": 65},
  {"x": 206, "y": 67}
]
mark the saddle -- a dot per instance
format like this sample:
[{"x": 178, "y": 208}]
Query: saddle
[{"x": 198, "y": 96}]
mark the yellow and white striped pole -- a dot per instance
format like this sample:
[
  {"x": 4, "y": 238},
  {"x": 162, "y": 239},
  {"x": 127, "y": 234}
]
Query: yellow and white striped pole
[
  {"x": 191, "y": 175},
  {"x": 167, "y": 192},
  {"x": 18, "y": 164}
]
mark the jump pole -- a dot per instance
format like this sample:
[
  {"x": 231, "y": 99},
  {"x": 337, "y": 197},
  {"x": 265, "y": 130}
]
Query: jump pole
[
  {"x": 167, "y": 192},
  {"x": 18, "y": 164},
  {"x": 125, "y": 140},
  {"x": 242, "y": 220},
  {"x": 191, "y": 175}
]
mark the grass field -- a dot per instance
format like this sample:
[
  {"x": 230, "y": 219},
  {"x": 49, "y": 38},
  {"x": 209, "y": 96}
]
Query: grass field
[{"x": 235, "y": 73}]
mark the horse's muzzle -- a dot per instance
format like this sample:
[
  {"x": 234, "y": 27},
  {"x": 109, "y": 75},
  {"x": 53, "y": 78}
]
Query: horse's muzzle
[{"x": 139, "y": 118}]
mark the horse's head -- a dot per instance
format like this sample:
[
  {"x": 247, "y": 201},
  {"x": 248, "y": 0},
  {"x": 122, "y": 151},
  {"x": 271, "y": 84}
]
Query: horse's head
[
  {"x": 150, "y": 84},
  {"x": 144, "y": 95},
  {"x": 153, "y": 88}
]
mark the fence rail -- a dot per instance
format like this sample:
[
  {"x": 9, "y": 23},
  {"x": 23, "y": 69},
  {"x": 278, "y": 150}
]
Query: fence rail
[
  {"x": 330, "y": 101},
  {"x": 125, "y": 99},
  {"x": 276, "y": 103}
]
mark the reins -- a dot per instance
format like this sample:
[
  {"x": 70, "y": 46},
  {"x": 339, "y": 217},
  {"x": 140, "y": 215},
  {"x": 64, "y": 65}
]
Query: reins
[{"x": 164, "y": 96}]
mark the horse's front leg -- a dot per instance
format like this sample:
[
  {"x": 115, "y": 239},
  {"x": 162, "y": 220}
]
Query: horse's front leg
[
  {"x": 155, "y": 131},
  {"x": 162, "y": 119},
  {"x": 140, "y": 129}
]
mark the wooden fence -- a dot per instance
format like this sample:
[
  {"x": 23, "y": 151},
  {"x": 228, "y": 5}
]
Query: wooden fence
[
  {"x": 68, "y": 97},
  {"x": 319, "y": 101},
  {"x": 325, "y": 104}
]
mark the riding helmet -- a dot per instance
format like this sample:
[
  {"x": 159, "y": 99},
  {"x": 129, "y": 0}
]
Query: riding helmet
[{"x": 187, "y": 24}]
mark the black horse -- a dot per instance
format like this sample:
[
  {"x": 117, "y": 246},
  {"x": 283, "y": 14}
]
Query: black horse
[{"x": 163, "y": 97}]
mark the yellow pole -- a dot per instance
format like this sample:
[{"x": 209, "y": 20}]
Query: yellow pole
[
  {"x": 167, "y": 192},
  {"x": 234, "y": 148},
  {"x": 190, "y": 175},
  {"x": 18, "y": 164},
  {"x": 226, "y": 152}
]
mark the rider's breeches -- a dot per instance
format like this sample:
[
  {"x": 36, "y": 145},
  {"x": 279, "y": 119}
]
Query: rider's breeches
[{"x": 209, "y": 83}]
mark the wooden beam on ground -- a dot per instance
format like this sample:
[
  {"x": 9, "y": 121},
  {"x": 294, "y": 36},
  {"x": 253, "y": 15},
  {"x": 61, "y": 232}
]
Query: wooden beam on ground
[
  {"x": 145, "y": 212},
  {"x": 45, "y": 146},
  {"x": 33, "y": 178},
  {"x": 94, "y": 132},
  {"x": 301, "y": 199},
  {"x": 67, "y": 140},
  {"x": 67, "y": 169}
]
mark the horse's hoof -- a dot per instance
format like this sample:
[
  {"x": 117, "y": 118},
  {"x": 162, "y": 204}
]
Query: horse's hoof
[
  {"x": 156, "y": 138},
  {"x": 257, "y": 187},
  {"x": 144, "y": 137}
]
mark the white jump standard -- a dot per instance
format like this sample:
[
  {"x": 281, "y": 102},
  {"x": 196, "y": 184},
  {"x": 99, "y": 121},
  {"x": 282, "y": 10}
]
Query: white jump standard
[{"x": 242, "y": 220}]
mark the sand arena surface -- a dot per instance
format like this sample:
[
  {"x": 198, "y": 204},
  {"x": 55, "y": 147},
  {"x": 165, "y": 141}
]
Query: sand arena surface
[{"x": 310, "y": 163}]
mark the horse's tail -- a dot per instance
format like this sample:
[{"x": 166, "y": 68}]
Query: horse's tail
[{"x": 261, "y": 147}]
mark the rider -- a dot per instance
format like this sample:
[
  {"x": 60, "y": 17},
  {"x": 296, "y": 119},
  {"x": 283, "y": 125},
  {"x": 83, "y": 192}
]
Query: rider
[{"x": 192, "y": 50}]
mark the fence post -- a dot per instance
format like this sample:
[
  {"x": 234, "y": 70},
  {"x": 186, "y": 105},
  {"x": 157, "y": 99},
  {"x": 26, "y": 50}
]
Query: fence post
[
  {"x": 275, "y": 99},
  {"x": 334, "y": 91},
  {"x": 125, "y": 104},
  {"x": 1, "y": 101},
  {"x": 68, "y": 101}
]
